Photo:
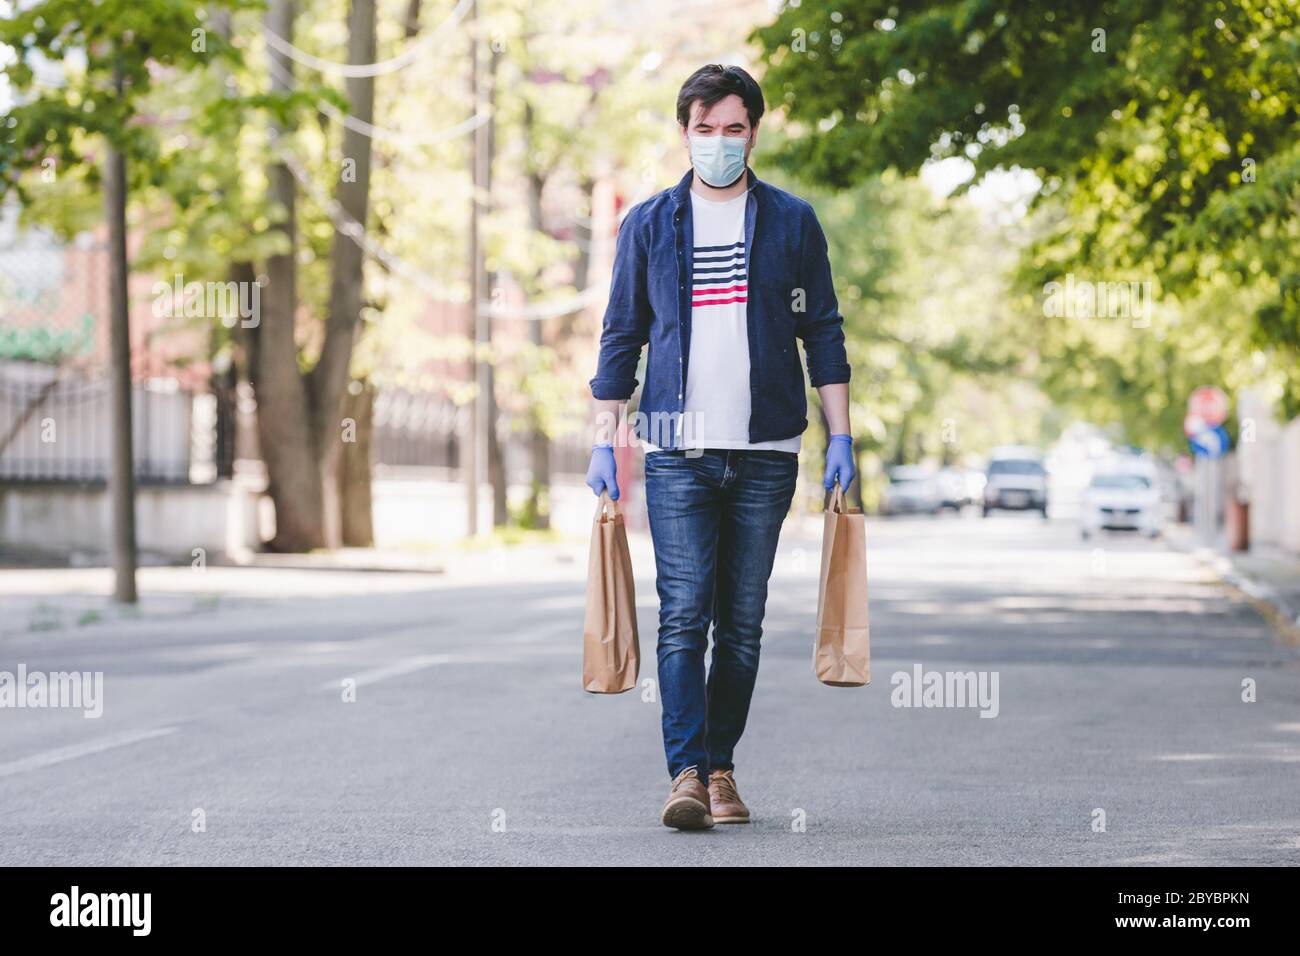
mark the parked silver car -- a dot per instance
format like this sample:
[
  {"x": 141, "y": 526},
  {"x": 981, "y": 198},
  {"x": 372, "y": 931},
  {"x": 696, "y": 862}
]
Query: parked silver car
[
  {"x": 1016, "y": 484},
  {"x": 1121, "y": 499},
  {"x": 912, "y": 489}
]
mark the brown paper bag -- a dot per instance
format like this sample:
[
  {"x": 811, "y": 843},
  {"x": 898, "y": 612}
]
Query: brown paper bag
[
  {"x": 842, "y": 650},
  {"x": 611, "y": 655}
]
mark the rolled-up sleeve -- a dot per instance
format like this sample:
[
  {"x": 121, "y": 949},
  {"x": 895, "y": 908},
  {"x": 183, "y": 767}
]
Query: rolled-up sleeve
[
  {"x": 820, "y": 326},
  {"x": 626, "y": 327}
]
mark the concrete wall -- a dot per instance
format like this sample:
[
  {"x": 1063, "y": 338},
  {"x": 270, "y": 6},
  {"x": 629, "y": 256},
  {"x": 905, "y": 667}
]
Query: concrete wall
[
  {"x": 67, "y": 436},
  {"x": 170, "y": 520},
  {"x": 231, "y": 517},
  {"x": 1270, "y": 473},
  {"x": 1288, "y": 478},
  {"x": 414, "y": 511}
]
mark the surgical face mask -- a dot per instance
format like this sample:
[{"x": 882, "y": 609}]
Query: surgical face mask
[{"x": 719, "y": 160}]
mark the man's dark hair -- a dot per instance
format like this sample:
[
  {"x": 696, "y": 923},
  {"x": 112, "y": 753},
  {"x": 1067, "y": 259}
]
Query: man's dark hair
[{"x": 713, "y": 83}]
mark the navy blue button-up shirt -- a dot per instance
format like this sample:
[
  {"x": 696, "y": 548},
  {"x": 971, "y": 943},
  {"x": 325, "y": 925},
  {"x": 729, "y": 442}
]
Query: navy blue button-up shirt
[{"x": 790, "y": 296}]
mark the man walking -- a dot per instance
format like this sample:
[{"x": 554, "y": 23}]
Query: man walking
[{"x": 719, "y": 275}]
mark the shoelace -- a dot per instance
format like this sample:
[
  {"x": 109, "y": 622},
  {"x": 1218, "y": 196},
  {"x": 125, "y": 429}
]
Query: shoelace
[
  {"x": 726, "y": 787},
  {"x": 689, "y": 773}
]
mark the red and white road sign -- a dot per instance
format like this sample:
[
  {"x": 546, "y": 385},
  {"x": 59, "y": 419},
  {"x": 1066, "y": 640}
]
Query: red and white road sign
[
  {"x": 1209, "y": 404},
  {"x": 1194, "y": 425}
]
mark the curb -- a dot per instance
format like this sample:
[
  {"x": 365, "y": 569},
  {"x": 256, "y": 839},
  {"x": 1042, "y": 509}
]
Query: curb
[
  {"x": 1256, "y": 589},
  {"x": 288, "y": 562},
  {"x": 1265, "y": 598}
]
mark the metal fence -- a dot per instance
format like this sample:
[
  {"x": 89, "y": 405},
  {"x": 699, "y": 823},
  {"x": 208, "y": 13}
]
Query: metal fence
[
  {"x": 413, "y": 429},
  {"x": 54, "y": 426},
  {"x": 54, "y": 390},
  {"x": 426, "y": 430},
  {"x": 54, "y": 393}
]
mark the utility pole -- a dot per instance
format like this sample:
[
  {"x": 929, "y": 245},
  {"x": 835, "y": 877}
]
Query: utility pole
[
  {"x": 121, "y": 481},
  {"x": 473, "y": 447},
  {"x": 491, "y": 441}
]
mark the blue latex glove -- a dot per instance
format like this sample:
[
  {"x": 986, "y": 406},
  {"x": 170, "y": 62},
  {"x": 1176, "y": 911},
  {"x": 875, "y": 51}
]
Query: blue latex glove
[
  {"x": 602, "y": 473},
  {"x": 839, "y": 463}
]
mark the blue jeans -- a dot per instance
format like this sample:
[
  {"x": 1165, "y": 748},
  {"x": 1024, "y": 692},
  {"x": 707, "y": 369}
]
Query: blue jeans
[{"x": 715, "y": 519}]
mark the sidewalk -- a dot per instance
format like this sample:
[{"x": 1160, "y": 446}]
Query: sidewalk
[
  {"x": 494, "y": 561},
  {"x": 454, "y": 560},
  {"x": 51, "y": 592},
  {"x": 48, "y": 595},
  {"x": 1269, "y": 577}
]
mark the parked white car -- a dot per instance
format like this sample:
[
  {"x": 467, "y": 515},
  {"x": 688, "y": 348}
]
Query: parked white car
[
  {"x": 954, "y": 488},
  {"x": 1015, "y": 482},
  {"x": 912, "y": 489},
  {"x": 1121, "y": 500}
]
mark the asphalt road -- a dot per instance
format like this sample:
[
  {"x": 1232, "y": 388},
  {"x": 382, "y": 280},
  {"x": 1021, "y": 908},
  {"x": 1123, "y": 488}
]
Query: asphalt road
[{"x": 1120, "y": 666}]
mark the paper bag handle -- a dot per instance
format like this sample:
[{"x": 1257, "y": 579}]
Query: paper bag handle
[
  {"x": 604, "y": 501},
  {"x": 837, "y": 498}
]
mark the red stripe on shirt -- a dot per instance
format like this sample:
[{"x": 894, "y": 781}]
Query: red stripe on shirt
[
  {"x": 719, "y": 290},
  {"x": 738, "y": 298}
]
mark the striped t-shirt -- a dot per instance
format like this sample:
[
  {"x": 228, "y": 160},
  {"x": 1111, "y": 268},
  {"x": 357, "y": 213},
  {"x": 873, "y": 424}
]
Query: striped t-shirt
[{"x": 717, "y": 399}]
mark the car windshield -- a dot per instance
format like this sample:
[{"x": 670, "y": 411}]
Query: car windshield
[
  {"x": 908, "y": 477},
  {"x": 1015, "y": 467},
  {"x": 1122, "y": 482}
]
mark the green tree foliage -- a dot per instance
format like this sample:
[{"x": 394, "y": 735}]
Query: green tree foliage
[
  {"x": 940, "y": 360},
  {"x": 55, "y": 120},
  {"x": 187, "y": 121},
  {"x": 1165, "y": 137},
  {"x": 107, "y": 36}
]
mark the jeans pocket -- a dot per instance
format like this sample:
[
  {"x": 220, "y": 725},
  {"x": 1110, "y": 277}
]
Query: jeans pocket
[
  {"x": 663, "y": 455},
  {"x": 776, "y": 469}
]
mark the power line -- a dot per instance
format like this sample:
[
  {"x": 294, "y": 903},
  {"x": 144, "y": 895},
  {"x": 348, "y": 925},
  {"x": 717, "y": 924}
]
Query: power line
[
  {"x": 355, "y": 231},
  {"x": 357, "y": 70},
  {"x": 467, "y": 125},
  {"x": 358, "y": 125}
]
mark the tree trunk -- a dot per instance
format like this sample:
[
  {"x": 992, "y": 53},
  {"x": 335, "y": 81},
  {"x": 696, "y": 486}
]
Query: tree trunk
[
  {"x": 225, "y": 385},
  {"x": 329, "y": 378},
  {"x": 411, "y": 24},
  {"x": 477, "y": 153},
  {"x": 356, "y": 521},
  {"x": 122, "y": 475},
  {"x": 495, "y": 463},
  {"x": 246, "y": 338},
  {"x": 283, "y": 419},
  {"x": 582, "y": 236},
  {"x": 539, "y": 507}
]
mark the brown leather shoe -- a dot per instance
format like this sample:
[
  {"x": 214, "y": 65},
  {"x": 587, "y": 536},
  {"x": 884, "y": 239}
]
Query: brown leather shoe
[
  {"x": 724, "y": 800},
  {"x": 688, "y": 803}
]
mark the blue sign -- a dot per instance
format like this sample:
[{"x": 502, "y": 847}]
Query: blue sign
[{"x": 1210, "y": 443}]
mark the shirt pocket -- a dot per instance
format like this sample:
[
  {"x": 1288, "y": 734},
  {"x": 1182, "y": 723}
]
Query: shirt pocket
[
  {"x": 780, "y": 371},
  {"x": 773, "y": 307}
]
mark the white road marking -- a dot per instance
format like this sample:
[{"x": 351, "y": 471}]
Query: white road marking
[
  {"x": 546, "y": 632},
  {"x": 398, "y": 669},
  {"x": 559, "y": 602},
  {"x": 410, "y": 665},
  {"x": 64, "y": 754}
]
